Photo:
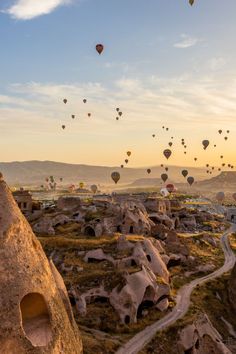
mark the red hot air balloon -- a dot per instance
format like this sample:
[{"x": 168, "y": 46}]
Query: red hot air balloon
[
  {"x": 99, "y": 48},
  {"x": 170, "y": 187}
]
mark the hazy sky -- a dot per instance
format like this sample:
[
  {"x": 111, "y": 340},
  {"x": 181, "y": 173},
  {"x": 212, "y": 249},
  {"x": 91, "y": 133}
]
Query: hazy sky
[{"x": 165, "y": 63}]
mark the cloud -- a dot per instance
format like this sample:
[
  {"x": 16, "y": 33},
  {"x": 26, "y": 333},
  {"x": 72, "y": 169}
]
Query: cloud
[
  {"x": 29, "y": 9},
  {"x": 186, "y": 42}
]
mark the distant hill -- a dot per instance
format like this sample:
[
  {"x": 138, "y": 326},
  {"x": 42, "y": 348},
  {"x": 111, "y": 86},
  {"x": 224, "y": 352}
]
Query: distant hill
[
  {"x": 226, "y": 180},
  {"x": 35, "y": 172}
]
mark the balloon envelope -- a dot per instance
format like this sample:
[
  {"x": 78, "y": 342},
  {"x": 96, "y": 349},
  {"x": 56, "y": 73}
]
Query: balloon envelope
[
  {"x": 99, "y": 48},
  {"x": 190, "y": 180},
  {"x": 115, "y": 176},
  {"x": 167, "y": 153},
  {"x": 164, "y": 177}
]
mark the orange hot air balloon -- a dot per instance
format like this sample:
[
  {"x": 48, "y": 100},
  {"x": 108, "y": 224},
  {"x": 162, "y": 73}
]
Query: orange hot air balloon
[
  {"x": 115, "y": 176},
  {"x": 99, "y": 48},
  {"x": 167, "y": 153}
]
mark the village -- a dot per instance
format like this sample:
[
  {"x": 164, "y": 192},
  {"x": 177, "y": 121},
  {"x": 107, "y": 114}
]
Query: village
[{"x": 125, "y": 256}]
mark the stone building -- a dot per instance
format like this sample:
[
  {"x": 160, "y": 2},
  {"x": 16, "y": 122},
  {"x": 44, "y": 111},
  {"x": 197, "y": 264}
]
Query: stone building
[
  {"x": 35, "y": 311},
  {"x": 24, "y": 200}
]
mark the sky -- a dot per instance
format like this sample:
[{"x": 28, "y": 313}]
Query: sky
[{"x": 164, "y": 63}]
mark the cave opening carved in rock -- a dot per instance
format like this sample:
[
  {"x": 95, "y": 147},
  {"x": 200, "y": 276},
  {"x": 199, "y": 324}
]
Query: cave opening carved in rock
[{"x": 36, "y": 319}]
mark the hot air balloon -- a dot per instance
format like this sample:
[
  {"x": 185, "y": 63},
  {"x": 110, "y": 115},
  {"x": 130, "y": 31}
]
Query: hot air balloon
[
  {"x": 126, "y": 160},
  {"x": 120, "y": 114},
  {"x": 128, "y": 153},
  {"x": 162, "y": 165},
  {"x": 170, "y": 143},
  {"x": 115, "y": 176},
  {"x": 195, "y": 158},
  {"x": 183, "y": 143},
  {"x": 207, "y": 165},
  {"x": 222, "y": 157},
  {"x": 164, "y": 177},
  {"x": 220, "y": 196},
  {"x": 167, "y": 169},
  {"x": 205, "y": 144},
  {"x": 172, "y": 137},
  {"x": 61, "y": 179},
  {"x": 170, "y": 187},
  {"x": 153, "y": 135},
  {"x": 122, "y": 166},
  {"x": 117, "y": 109},
  {"x": 149, "y": 171},
  {"x": 185, "y": 152},
  {"x": 73, "y": 116},
  {"x": 89, "y": 114},
  {"x": 227, "y": 132},
  {"x": 167, "y": 153},
  {"x": 223, "y": 164},
  {"x": 185, "y": 173},
  {"x": 214, "y": 146},
  {"x": 84, "y": 100},
  {"x": 63, "y": 126},
  {"x": 167, "y": 129},
  {"x": 117, "y": 118},
  {"x": 94, "y": 188},
  {"x": 163, "y": 127},
  {"x": 99, "y": 48},
  {"x": 226, "y": 138},
  {"x": 191, "y": 2},
  {"x": 220, "y": 131},
  {"x": 190, "y": 180},
  {"x": 65, "y": 100},
  {"x": 164, "y": 192}
]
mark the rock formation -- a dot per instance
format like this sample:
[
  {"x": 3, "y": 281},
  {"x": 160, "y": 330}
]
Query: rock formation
[
  {"x": 201, "y": 338},
  {"x": 35, "y": 311}
]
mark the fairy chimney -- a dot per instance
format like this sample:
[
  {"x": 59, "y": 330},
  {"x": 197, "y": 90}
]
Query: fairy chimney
[{"x": 35, "y": 311}]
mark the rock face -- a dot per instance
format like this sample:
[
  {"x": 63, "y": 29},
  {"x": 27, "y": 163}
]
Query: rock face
[
  {"x": 232, "y": 288},
  {"x": 201, "y": 338},
  {"x": 35, "y": 311}
]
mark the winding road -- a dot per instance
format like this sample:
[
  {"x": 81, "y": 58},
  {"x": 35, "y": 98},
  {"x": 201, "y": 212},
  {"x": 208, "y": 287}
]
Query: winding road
[{"x": 141, "y": 339}]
